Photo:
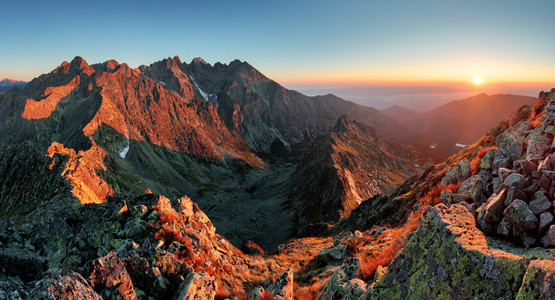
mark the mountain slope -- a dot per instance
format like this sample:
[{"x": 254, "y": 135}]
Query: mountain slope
[{"x": 349, "y": 164}]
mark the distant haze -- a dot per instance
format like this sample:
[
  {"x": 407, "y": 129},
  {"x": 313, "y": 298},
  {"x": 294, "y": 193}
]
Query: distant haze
[{"x": 420, "y": 97}]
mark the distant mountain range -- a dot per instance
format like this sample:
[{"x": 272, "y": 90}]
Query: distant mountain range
[
  {"x": 7, "y": 84},
  {"x": 438, "y": 131}
]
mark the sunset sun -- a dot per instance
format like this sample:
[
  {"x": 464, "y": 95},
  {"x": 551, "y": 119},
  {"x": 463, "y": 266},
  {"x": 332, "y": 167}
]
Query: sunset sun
[{"x": 477, "y": 80}]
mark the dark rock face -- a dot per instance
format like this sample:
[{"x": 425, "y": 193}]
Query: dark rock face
[{"x": 521, "y": 216}]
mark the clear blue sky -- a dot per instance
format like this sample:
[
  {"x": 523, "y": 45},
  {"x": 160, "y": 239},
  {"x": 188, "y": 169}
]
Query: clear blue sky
[{"x": 291, "y": 41}]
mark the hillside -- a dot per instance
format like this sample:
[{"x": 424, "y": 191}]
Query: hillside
[
  {"x": 349, "y": 164},
  {"x": 438, "y": 131}
]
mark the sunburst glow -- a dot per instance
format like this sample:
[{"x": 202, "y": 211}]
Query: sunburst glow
[{"x": 477, "y": 80}]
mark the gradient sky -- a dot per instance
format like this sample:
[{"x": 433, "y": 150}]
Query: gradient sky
[{"x": 293, "y": 42}]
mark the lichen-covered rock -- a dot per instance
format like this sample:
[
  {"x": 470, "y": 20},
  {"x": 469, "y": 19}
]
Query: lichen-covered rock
[
  {"x": 539, "y": 281},
  {"x": 487, "y": 161},
  {"x": 515, "y": 194},
  {"x": 448, "y": 258},
  {"x": 475, "y": 187},
  {"x": 282, "y": 288},
  {"x": 521, "y": 216},
  {"x": 495, "y": 206},
  {"x": 505, "y": 228},
  {"x": 457, "y": 173},
  {"x": 343, "y": 284},
  {"x": 446, "y": 197},
  {"x": 546, "y": 219},
  {"x": 197, "y": 286}
]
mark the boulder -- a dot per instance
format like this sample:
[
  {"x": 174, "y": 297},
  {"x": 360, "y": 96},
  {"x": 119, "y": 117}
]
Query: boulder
[
  {"x": 446, "y": 197},
  {"x": 549, "y": 239},
  {"x": 494, "y": 207},
  {"x": 516, "y": 180},
  {"x": 528, "y": 167},
  {"x": 197, "y": 286},
  {"x": 110, "y": 274},
  {"x": 505, "y": 228},
  {"x": 475, "y": 187},
  {"x": 546, "y": 219},
  {"x": 449, "y": 258},
  {"x": 457, "y": 173},
  {"x": 504, "y": 173},
  {"x": 538, "y": 146},
  {"x": 540, "y": 203},
  {"x": 545, "y": 182},
  {"x": 69, "y": 287},
  {"x": 343, "y": 284},
  {"x": 515, "y": 194},
  {"x": 499, "y": 161},
  {"x": 487, "y": 161},
  {"x": 282, "y": 288},
  {"x": 521, "y": 216}
]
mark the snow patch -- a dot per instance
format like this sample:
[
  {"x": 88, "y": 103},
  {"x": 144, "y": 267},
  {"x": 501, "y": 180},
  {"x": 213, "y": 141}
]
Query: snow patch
[
  {"x": 208, "y": 97},
  {"x": 432, "y": 146},
  {"x": 460, "y": 145},
  {"x": 278, "y": 135},
  {"x": 162, "y": 83},
  {"x": 123, "y": 153}
]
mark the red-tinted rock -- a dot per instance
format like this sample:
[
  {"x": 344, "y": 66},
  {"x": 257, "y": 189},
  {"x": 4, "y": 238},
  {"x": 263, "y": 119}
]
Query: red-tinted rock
[
  {"x": 494, "y": 207},
  {"x": 109, "y": 272}
]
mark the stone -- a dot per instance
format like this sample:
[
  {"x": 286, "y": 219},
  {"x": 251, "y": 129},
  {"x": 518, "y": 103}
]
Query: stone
[
  {"x": 521, "y": 216},
  {"x": 475, "y": 187},
  {"x": 197, "y": 285},
  {"x": 531, "y": 190},
  {"x": 446, "y": 197},
  {"x": 496, "y": 184},
  {"x": 504, "y": 173},
  {"x": 499, "y": 161},
  {"x": 540, "y": 203},
  {"x": 546, "y": 219},
  {"x": 258, "y": 293},
  {"x": 516, "y": 180},
  {"x": 528, "y": 240},
  {"x": 457, "y": 173},
  {"x": 515, "y": 194},
  {"x": 69, "y": 287},
  {"x": 505, "y": 228},
  {"x": 549, "y": 174},
  {"x": 487, "y": 161},
  {"x": 109, "y": 272},
  {"x": 528, "y": 167},
  {"x": 343, "y": 284},
  {"x": 545, "y": 165},
  {"x": 538, "y": 146},
  {"x": 457, "y": 198},
  {"x": 549, "y": 240},
  {"x": 494, "y": 207},
  {"x": 545, "y": 182},
  {"x": 282, "y": 288}
]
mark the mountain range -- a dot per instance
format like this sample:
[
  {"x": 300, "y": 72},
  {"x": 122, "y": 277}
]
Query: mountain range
[
  {"x": 442, "y": 131},
  {"x": 6, "y": 84},
  {"x": 191, "y": 180}
]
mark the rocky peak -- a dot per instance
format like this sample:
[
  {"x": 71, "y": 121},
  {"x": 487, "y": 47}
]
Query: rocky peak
[
  {"x": 199, "y": 60},
  {"x": 344, "y": 124},
  {"x": 76, "y": 66}
]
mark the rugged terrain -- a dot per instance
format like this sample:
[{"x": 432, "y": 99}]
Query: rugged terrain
[{"x": 164, "y": 181}]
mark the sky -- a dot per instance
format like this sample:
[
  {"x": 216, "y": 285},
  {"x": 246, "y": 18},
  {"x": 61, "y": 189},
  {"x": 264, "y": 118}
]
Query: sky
[{"x": 319, "y": 45}]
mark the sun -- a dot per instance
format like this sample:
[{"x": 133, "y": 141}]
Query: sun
[{"x": 477, "y": 80}]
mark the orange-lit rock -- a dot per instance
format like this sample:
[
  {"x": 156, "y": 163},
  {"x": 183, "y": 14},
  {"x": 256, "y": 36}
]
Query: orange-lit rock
[
  {"x": 43, "y": 108},
  {"x": 80, "y": 171}
]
